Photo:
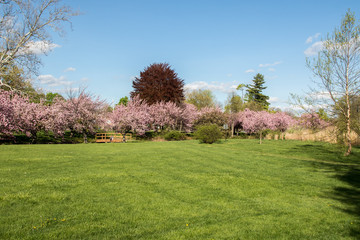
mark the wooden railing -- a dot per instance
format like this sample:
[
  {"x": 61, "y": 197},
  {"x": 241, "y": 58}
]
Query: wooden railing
[{"x": 111, "y": 137}]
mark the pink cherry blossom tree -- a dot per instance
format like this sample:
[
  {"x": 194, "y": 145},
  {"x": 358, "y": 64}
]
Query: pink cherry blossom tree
[
  {"x": 59, "y": 117},
  {"x": 312, "y": 121},
  {"x": 164, "y": 115},
  {"x": 256, "y": 122},
  {"x": 282, "y": 122},
  {"x": 135, "y": 116},
  {"x": 172, "y": 116},
  {"x": 7, "y": 116},
  {"x": 83, "y": 112},
  {"x": 211, "y": 115},
  {"x": 31, "y": 117},
  {"x": 187, "y": 117}
]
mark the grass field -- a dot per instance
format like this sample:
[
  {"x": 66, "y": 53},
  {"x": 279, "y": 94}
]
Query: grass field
[{"x": 180, "y": 190}]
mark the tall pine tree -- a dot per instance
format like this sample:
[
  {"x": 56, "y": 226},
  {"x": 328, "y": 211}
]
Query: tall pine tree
[{"x": 254, "y": 92}]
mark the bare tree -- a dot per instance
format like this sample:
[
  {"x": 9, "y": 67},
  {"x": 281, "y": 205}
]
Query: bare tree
[
  {"x": 25, "y": 27},
  {"x": 337, "y": 69}
]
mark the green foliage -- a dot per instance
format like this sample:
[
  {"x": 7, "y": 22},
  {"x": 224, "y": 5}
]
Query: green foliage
[
  {"x": 48, "y": 138},
  {"x": 201, "y": 98},
  {"x": 50, "y": 97},
  {"x": 323, "y": 114},
  {"x": 174, "y": 136},
  {"x": 123, "y": 101},
  {"x": 254, "y": 92},
  {"x": 234, "y": 104},
  {"x": 208, "y": 133},
  {"x": 354, "y": 117}
]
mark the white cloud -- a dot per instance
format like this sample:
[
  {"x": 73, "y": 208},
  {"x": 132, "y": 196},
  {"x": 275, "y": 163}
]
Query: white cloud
[
  {"x": 323, "y": 95},
  {"x": 271, "y": 69},
  {"x": 70, "y": 69},
  {"x": 314, "y": 49},
  {"x": 274, "y": 100},
  {"x": 39, "y": 47},
  {"x": 67, "y": 90},
  {"x": 312, "y": 38},
  {"x": 250, "y": 71},
  {"x": 85, "y": 79},
  {"x": 214, "y": 86},
  {"x": 229, "y": 75},
  {"x": 52, "y": 81},
  {"x": 270, "y": 64}
]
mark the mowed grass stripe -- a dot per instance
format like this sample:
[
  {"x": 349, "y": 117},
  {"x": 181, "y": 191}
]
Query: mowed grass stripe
[{"x": 173, "y": 190}]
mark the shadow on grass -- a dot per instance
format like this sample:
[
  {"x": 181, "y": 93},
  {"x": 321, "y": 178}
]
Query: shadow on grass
[{"x": 347, "y": 169}]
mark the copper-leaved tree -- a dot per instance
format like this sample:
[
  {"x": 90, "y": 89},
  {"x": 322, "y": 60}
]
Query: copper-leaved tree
[{"x": 159, "y": 82}]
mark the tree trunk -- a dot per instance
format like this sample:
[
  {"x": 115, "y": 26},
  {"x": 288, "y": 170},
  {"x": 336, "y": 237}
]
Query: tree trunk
[
  {"x": 232, "y": 129},
  {"x": 124, "y": 137},
  {"x": 347, "y": 136},
  {"x": 260, "y": 136},
  {"x": 348, "y": 114},
  {"x": 85, "y": 138}
]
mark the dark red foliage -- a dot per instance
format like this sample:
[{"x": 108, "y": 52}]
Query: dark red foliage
[{"x": 159, "y": 82}]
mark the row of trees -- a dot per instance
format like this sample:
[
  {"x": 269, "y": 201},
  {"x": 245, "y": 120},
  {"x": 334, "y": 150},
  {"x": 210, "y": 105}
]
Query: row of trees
[
  {"x": 84, "y": 114},
  {"x": 80, "y": 113}
]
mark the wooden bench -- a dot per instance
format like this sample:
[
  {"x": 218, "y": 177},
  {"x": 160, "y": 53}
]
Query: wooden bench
[{"x": 111, "y": 137}]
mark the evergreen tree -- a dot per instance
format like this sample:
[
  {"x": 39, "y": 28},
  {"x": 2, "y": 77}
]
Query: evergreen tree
[{"x": 254, "y": 92}]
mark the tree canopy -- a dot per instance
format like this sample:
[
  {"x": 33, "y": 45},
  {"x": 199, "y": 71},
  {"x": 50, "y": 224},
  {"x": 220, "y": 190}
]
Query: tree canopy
[
  {"x": 201, "y": 98},
  {"x": 157, "y": 83}
]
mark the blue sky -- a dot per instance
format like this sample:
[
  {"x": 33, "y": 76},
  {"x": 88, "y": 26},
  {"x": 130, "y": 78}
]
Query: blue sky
[{"x": 210, "y": 44}]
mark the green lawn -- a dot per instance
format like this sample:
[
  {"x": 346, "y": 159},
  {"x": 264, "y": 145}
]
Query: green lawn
[{"x": 179, "y": 190}]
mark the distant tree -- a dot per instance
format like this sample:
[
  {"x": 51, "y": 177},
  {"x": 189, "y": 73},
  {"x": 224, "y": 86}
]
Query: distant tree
[
  {"x": 256, "y": 122},
  {"x": 337, "y": 69},
  {"x": 123, "y": 101},
  {"x": 133, "y": 117},
  {"x": 208, "y": 116},
  {"x": 201, "y": 98},
  {"x": 165, "y": 115},
  {"x": 241, "y": 87},
  {"x": 323, "y": 114},
  {"x": 8, "y": 120},
  {"x": 32, "y": 117},
  {"x": 12, "y": 78},
  {"x": 282, "y": 121},
  {"x": 234, "y": 105},
  {"x": 85, "y": 112},
  {"x": 254, "y": 92},
  {"x": 51, "y": 97},
  {"x": 312, "y": 121},
  {"x": 159, "y": 82}
]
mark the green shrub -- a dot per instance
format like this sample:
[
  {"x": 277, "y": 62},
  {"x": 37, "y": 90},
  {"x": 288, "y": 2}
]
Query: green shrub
[
  {"x": 149, "y": 135},
  {"x": 174, "y": 136},
  {"x": 208, "y": 133}
]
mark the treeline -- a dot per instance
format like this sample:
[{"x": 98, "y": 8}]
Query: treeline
[{"x": 83, "y": 114}]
